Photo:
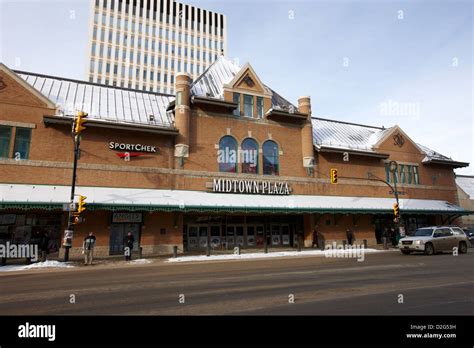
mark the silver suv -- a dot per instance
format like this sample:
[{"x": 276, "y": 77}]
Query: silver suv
[{"x": 435, "y": 239}]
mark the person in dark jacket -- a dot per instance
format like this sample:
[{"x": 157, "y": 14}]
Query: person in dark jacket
[
  {"x": 129, "y": 240},
  {"x": 88, "y": 248},
  {"x": 44, "y": 245},
  {"x": 350, "y": 236}
]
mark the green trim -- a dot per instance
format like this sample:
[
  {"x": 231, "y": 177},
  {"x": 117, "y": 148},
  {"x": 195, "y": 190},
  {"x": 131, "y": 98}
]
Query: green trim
[{"x": 213, "y": 209}]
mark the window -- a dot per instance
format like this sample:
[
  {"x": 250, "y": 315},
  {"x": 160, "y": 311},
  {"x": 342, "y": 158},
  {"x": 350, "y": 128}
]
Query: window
[
  {"x": 259, "y": 107},
  {"x": 5, "y": 137},
  {"x": 21, "y": 149},
  {"x": 236, "y": 100},
  {"x": 227, "y": 156},
  {"x": 416, "y": 177},
  {"x": 248, "y": 105},
  {"x": 249, "y": 156},
  {"x": 270, "y": 158}
]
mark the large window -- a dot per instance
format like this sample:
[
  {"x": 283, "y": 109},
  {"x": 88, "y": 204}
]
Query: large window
[
  {"x": 5, "y": 138},
  {"x": 22, "y": 143},
  {"x": 405, "y": 174},
  {"x": 236, "y": 100},
  {"x": 259, "y": 107},
  {"x": 248, "y": 105},
  {"x": 227, "y": 156},
  {"x": 270, "y": 158},
  {"x": 249, "y": 156}
]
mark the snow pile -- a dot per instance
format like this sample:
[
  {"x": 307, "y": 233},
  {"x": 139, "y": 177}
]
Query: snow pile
[
  {"x": 38, "y": 265},
  {"x": 140, "y": 261},
  {"x": 262, "y": 255}
]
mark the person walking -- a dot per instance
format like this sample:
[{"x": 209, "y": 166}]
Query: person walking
[
  {"x": 350, "y": 236},
  {"x": 44, "y": 245},
  {"x": 129, "y": 240},
  {"x": 88, "y": 248}
]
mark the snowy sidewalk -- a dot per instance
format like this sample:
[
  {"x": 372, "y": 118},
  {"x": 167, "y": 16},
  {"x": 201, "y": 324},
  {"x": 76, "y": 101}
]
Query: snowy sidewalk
[
  {"x": 262, "y": 255},
  {"x": 37, "y": 265}
]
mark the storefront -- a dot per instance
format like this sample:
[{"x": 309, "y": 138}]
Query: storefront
[{"x": 246, "y": 231}]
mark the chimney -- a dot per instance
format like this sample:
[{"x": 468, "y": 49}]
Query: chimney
[
  {"x": 182, "y": 114},
  {"x": 304, "y": 107}
]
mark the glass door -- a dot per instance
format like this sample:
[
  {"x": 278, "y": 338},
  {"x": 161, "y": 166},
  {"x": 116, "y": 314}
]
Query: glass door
[
  {"x": 192, "y": 237},
  {"x": 239, "y": 236},
  {"x": 203, "y": 236},
  {"x": 285, "y": 234},
  {"x": 230, "y": 236},
  {"x": 276, "y": 235},
  {"x": 215, "y": 236}
]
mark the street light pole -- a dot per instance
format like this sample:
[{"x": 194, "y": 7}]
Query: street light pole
[
  {"x": 77, "y": 128},
  {"x": 70, "y": 226}
]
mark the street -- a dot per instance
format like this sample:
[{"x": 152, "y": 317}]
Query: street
[{"x": 435, "y": 285}]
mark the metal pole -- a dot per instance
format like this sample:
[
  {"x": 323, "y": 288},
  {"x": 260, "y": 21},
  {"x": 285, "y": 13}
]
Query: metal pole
[{"x": 70, "y": 226}]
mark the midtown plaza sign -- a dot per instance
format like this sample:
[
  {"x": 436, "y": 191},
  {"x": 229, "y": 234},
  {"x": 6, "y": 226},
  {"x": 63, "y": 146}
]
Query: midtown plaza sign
[{"x": 250, "y": 187}]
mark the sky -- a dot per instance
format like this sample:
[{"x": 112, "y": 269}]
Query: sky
[{"x": 381, "y": 63}]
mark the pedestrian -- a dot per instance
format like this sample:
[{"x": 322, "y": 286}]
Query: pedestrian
[
  {"x": 88, "y": 248},
  {"x": 129, "y": 240},
  {"x": 315, "y": 238},
  {"x": 350, "y": 236},
  {"x": 393, "y": 236},
  {"x": 44, "y": 245}
]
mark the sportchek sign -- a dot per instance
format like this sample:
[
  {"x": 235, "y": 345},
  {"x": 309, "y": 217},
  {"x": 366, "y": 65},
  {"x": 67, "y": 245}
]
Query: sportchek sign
[{"x": 131, "y": 150}]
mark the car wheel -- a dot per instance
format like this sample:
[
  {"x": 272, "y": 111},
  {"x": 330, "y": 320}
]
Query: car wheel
[
  {"x": 429, "y": 250},
  {"x": 462, "y": 247},
  {"x": 406, "y": 252}
]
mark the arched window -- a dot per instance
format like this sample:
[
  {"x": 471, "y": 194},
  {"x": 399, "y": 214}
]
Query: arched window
[
  {"x": 227, "y": 156},
  {"x": 270, "y": 158},
  {"x": 249, "y": 156}
]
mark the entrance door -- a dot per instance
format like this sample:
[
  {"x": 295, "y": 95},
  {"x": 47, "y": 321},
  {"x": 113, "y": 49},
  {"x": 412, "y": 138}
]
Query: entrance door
[
  {"x": 255, "y": 236},
  {"x": 229, "y": 236},
  {"x": 239, "y": 236},
  {"x": 193, "y": 237},
  {"x": 215, "y": 236},
  {"x": 285, "y": 234},
  {"x": 118, "y": 232},
  {"x": 203, "y": 236},
  {"x": 276, "y": 235}
]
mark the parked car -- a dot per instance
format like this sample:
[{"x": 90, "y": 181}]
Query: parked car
[
  {"x": 435, "y": 239},
  {"x": 470, "y": 235}
]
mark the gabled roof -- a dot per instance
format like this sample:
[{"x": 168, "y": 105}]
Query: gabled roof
[
  {"x": 101, "y": 102},
  {"x": 466, "y": 183},
  {"x": 338, "y": 135},
  {"x": 221, "y": 72},
  {"x": 34, "y": 91}
]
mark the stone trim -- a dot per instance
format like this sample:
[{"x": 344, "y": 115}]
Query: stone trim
[
  {"x": 17, "y": 124},
  {"x": 204, "y": 174}
]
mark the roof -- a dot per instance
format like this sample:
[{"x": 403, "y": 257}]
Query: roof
[
  {"x": 101, "y": 102},
  {"x": 466, "y": 183},
  {"x": 110, "y": 198},
  {"x": 222, "y": 71},
  {"x": 347, "y": 136}
]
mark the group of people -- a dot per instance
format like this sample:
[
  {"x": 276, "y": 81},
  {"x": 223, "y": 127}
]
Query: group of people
[
  {"x": 41, "y": 238},
  {"x": 318, "y": 238},
  {"x": 89, "y": 245}
]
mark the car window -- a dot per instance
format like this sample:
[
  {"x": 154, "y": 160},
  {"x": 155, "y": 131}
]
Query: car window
[
  {"x": 446, "y": 232},
  {"x": 424, "y": 232},
  {"x": 438, "y": 233},
  {"x": 457, "y": 231}
]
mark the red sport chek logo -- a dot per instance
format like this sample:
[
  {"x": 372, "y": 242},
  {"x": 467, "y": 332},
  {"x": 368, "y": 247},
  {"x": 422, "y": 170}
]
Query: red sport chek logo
[{"x": 129, "y": 154}]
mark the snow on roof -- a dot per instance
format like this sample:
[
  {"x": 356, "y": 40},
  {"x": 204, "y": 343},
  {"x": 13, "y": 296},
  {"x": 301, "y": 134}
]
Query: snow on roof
[
  {"x": 351, "y": 136},
  {"x": 181, "y": 199},
  {"x": 101, "y": 102},
  {"x": 466, "y": 183},
  {"x": 345, "y": 135},
  {"x": 222, "y": 71}
]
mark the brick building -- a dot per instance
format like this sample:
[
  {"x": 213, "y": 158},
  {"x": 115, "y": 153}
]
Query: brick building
[{"x": 226, "y": 161}]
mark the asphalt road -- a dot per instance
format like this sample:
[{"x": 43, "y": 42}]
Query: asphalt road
[{"x": 439, "y": 284}]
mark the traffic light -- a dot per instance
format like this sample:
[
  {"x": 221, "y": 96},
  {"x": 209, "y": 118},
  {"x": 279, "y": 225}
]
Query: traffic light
[
  {"x": 333, "y": 176},
  {"x": 78, "y": 126},
  {"x": 81, "y": 206},
  {"x": 396, "y": 211}
]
